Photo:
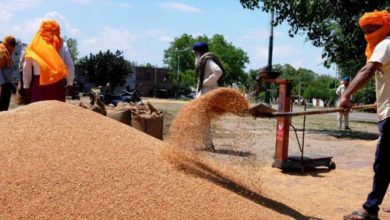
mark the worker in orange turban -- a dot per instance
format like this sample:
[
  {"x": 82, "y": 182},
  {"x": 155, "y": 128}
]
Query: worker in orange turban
[
  {"x": 6, "y": 73},
  {"x": 48, "y": 64},
  {"x": 376, "y": 27}
]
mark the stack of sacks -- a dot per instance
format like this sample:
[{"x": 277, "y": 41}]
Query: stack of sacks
[{"x": 144, "y": 117}]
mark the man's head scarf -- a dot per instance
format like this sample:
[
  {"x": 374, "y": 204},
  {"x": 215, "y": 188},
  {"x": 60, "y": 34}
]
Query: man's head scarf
[
  {"x": 380, "y": 18},
  {"x": 6, "y": 50},
  {"x": 44, "y": 50}
]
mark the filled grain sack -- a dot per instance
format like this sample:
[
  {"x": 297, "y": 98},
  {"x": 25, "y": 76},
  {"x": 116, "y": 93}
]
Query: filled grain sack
[
  {"x": 121, "y": 115},
  {"x": 152, "y": 123}
]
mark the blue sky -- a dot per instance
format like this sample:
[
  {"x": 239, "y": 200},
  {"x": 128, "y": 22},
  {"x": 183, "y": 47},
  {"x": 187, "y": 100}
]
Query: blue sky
[{"x": 143, "y": 29}]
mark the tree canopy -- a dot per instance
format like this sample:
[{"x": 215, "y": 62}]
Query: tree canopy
[
  {"x": 331, "y": 24},
  {"x": 72, "y": 45},
  {"x": 105, "y": 67}
]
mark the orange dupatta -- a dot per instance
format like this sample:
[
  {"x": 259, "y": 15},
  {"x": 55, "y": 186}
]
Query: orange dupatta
[{"x": 44, "y": 50}]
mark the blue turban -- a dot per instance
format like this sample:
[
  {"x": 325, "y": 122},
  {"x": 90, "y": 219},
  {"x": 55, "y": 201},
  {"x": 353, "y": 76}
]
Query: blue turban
[
  {"x": 347, "y": 78},
  {"x": 200, "y": 46}
]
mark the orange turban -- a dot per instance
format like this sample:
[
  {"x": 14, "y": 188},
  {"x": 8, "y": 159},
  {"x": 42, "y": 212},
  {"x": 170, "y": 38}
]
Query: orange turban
[
  {"x": 44, "y": 50},
  {"x": 6, "y": 50},
  {"x": 381, "y": 18}
]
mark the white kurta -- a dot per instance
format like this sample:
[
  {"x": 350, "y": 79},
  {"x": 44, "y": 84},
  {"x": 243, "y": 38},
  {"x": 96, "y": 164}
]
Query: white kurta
[{"x": 212, "y": 73}]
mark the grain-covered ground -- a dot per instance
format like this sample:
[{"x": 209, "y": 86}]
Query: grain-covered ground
[
  {"x": 248, "y": 144},
  {"x": 80, "y": 165}
]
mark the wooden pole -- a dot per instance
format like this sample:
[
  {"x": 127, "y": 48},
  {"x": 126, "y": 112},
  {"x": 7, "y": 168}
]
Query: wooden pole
[{"x": 317, "y": 112}]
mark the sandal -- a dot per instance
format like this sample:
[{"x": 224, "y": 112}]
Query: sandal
[{"x": 361, "y": 215}]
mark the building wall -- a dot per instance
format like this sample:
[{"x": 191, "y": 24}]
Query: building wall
[
  {"x": 145, "y": 78},
  {"x": 149, "y": 78}
]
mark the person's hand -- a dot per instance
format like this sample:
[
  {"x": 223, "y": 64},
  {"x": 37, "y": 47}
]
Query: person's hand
[
  {"x": 69, "y": 90},
  {"x": 345, "y": 103}
]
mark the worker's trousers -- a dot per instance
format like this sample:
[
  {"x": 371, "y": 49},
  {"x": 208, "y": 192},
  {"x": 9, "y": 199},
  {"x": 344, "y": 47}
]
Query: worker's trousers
[{"x": 381, "y": 168}]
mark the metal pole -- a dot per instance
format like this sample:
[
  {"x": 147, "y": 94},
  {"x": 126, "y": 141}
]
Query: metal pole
[
  {"x": 271, "y": 39},
  {"x": 178, "y": 67},
  {"x": 299, "y": 88}
]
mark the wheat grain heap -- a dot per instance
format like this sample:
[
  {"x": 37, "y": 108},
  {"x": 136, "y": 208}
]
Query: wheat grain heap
[{"x": 60, "y": 161}]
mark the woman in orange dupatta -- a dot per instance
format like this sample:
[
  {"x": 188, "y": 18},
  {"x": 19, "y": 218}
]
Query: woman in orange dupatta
[{"x": 48, "y": 65}]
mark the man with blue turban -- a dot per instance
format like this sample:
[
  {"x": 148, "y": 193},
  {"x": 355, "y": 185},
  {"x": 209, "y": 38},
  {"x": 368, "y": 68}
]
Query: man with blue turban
[{"x": 209, "y": 70}]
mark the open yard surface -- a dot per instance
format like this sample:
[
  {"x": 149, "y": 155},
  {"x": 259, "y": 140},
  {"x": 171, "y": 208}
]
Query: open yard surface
[{"x": 248, "y": 144}]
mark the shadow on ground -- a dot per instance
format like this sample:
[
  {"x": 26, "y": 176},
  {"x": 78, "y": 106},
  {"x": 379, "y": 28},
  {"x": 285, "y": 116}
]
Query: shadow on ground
[
  {"x": 204, "y": 171},
  {"x": 346, "y": 134},
  {"x": 232, "y": 152},
  {"x": 314, "y": 172}
]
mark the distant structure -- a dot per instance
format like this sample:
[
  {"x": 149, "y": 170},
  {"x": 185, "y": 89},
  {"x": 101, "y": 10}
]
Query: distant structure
[{"x": 150, "y": 81}]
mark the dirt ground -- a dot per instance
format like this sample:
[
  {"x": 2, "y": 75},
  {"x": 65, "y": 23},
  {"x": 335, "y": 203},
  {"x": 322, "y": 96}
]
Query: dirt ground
[{"x": 249, "y": 144}]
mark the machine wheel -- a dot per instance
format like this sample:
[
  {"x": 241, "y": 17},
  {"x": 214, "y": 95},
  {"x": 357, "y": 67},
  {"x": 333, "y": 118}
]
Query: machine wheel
[{"x": 332, "y": 165}]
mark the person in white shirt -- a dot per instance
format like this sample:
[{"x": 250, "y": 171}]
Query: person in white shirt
[
  {"x": 209, "y": 70},
  {"x": 48, "y": 66},
  {"x": 343, "y": 116},
  {"x": 376, "y": 28}
]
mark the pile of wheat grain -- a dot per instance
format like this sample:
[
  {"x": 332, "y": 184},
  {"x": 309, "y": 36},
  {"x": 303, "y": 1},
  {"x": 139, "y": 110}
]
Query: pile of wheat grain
[{"x": 60, "y": 161}]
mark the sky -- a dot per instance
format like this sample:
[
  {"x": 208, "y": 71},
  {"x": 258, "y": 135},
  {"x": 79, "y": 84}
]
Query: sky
[{"x": 143, "y": 29}]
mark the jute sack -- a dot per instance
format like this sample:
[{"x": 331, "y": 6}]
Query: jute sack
[
  {"x": 121, "y": 115},
  {"x": 96, "y": 108},
  {"x": 151, "y": 124}
]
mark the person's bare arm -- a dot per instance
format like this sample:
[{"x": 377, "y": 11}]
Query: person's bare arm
[{"x": 361, "y": 79}]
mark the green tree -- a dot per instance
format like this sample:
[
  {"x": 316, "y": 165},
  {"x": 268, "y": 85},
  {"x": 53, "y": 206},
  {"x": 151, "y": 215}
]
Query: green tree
[
  {"x": 301, "y": 77},
  {"x": 367, "y": 94},
  {"x": 323, "y": 87},
  {"x": 180, "y": 58},
  {"x": 72, "y": 45},
  {"x": 102, "y": 68},
  {"x": 331, "y": 24}
]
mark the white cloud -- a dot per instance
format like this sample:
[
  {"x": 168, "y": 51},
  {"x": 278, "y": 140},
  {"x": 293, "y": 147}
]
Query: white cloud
[
  {"x": 181, "y": 7},
  {"x": 9, "y": 8},
  {"x": 5, "y": 15},
  {"x": 198, "y": 34},
  {"x": 261, "y": 53},
  {"x": 297, "y": 63},
  {"x": 165, "y": 39},
  {"x": 26, "y": 30},
  {"x": 318, "y": 59},
  {"x": 112, "y": 39},
  {"x": 66, "y": 27}
]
